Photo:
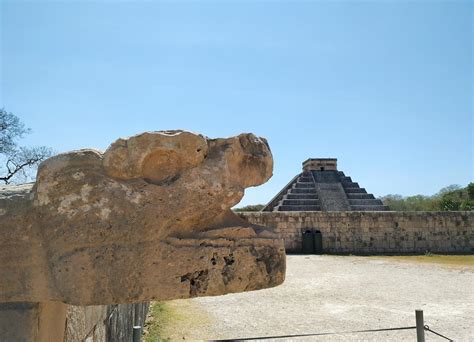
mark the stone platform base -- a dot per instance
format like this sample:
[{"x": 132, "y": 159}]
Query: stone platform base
[{"x": 58, "y": 322}]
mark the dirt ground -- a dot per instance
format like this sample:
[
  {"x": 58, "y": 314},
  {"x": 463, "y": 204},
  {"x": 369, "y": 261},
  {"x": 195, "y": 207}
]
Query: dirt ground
[{"x": 324, "y": 294}]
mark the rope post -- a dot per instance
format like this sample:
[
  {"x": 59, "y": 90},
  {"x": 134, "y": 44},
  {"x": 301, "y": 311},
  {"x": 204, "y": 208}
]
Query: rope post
[
  {"x": 420, "y": 326},
  {"x": 137, "y": 333},
  {"x": 136, "y": 314}
]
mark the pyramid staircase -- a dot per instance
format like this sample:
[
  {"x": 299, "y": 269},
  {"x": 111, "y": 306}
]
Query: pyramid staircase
[
  {"x": 299, "y": 195},
  {"x": 358, "y": 197},
  {"x": 324, "y": 191}
]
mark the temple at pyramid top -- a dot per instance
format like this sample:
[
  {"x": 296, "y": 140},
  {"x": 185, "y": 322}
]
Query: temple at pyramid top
[
  {"x": 321, "y": 187},
  {"x": 320, "y": 164}
]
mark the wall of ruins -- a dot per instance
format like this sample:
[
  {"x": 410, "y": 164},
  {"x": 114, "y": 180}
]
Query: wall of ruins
[
  {"x": 375, "y": 232},
  {"x": 100, "y": 323}
]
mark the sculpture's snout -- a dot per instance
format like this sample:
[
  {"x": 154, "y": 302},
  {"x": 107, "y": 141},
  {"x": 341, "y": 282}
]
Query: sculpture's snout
[{"x": 256, "y": 162}]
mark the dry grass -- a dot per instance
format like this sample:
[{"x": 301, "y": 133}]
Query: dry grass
[
  {"x": 447, "y": 260},
  {"x": 167, "y": 323},
  {"x": 158, "y": 316}
]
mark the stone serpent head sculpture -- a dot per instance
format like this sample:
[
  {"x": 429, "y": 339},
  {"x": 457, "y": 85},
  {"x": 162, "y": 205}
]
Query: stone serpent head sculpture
[{"x": 148, "y": 219}]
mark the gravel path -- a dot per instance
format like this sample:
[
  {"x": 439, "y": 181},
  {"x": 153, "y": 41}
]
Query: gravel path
[{"x": 335, "y": 294}]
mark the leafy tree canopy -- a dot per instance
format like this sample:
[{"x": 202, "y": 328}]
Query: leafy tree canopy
[
  {"x": 254, "y": 207},
  {"x": 452, "y": 197}
]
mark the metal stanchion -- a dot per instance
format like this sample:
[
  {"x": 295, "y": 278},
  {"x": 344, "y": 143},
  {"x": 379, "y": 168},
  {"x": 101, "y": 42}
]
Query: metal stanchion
[
  {"x": 137, "y": 333},
  {"x": 420, "y": 326}
]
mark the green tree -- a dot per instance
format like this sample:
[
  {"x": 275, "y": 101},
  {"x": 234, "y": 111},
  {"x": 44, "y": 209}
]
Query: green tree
[
  {"x": 470, "y": 191},
  {"x": 449, "y": 189},
  {"x": 448, "y": 204},
  {"x": 394, "y": 202},
  {"x": 467, "y": 205},
  {"x": 452, "y": 197},
  {"x": 253, "y": 207}
]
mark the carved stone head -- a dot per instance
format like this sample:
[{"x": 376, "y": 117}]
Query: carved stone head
[{"x": 148, "y": 219}]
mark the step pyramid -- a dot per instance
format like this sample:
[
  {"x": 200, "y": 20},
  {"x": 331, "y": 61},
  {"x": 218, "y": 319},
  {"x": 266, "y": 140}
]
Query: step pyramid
[{"x": 321, "y": 187}]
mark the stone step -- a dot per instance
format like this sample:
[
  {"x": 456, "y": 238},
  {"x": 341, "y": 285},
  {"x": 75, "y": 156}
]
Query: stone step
[
  {"x": 301, "y": 196},
  {"x": 350, "y": 184},
  {"x": 304, "y": 185},
  {"x": 369, "y": 208},
  {"x": 305, "y": 180},
  {"x": 359, "y": 196},
  {"x": 298, "y": 208},
  {"x": 355, "y": 190},
  {"x": 326, "y": 176},
  {"x": 300, "y": 202},
  {"x": 365, "y": 202},
  {"x": 346, "y": 179},
  {"x": 302, "y": 191}
]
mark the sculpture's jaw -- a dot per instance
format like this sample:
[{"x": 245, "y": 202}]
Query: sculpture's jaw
[
  {"x": 218, "y": 266},
  {"x": 174, "y": 268}
]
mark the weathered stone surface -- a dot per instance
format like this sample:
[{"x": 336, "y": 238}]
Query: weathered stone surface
[
  {"x": 148, "y": 219},
  {"x": 81, "y": 321},
  {"x": 378, "y": 232},
  {"x": 26, "y": 322}
]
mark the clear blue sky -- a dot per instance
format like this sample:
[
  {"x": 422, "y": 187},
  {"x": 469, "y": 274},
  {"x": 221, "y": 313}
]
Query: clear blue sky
[{"x": 384, "y": 86}]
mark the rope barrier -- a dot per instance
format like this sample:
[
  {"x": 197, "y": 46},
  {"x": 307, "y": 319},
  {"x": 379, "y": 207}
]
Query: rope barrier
[
  {"x": 307, "y": 335},
  {"x": 426, "y": 327},
  {"x": 434, "y": 332}
]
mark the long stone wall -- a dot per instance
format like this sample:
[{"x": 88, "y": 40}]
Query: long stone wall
[{"x": 375, "y": 232}]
